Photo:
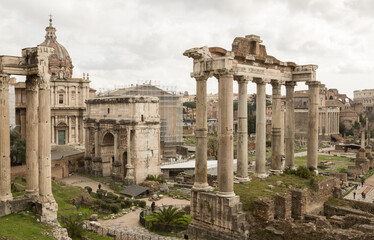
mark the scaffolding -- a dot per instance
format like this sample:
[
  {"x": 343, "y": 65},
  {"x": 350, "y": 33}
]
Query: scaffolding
[{"x": 170, "y": 110}]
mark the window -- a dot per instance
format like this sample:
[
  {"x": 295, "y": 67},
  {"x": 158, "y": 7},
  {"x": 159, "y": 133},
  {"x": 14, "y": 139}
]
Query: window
[
  {"x": 142, "y": 118},
  {"x": 61, "y": 98},
  {"x": 108, "y": 110}
]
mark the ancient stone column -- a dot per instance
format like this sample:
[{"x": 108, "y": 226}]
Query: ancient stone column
[
  {"x": 70, "y": 131},
  {"x": 32, "y": 166},
  {"x": 260, "y": 128},
  {"x": 313, "y": 125},
  {"x": 282, "y": 128},
  {"x": 276, "y": 128},
  {"x": 363, "y": 138},
  {"x": 97, "y": 141},
  {"x": 76, "y": 130},
  {"x": 45, "y": 178},
  {"x": 201, "y": 130},
  {"x": 226, "y": 151},
  {"x": 5, "y": 189},
  {"x": 87, "y": 141},
  {"x": 52, "y": 129},
  {"x": 242, "y": 163},
  {"x": 290, "y": 125}
]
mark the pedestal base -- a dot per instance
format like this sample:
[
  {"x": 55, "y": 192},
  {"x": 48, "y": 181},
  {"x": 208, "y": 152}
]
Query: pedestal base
[
  {"x": 217, "y": 217},
  {"x": 260, "y": 175},
  {"x": 242, "y": 180},
  {"x": 275, "y": 172},
  {"x": 47, "y": 211},
  {"x": 204, "y": 187},
  {"x": 32, "y": 194}
]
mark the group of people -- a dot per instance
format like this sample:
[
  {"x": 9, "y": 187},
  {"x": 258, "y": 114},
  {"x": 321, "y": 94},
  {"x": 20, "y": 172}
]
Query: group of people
[{"x": 358, "y": 186}]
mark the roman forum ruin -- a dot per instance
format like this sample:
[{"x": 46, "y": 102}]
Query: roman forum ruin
[
  {"x": 123, "y": 138},
  {"x": 218, "y": 215},
  {"x": 34, "y": 64}
]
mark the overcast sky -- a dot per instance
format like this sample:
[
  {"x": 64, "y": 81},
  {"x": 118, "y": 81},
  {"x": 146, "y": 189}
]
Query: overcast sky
[{"x": 121, "y": 42}]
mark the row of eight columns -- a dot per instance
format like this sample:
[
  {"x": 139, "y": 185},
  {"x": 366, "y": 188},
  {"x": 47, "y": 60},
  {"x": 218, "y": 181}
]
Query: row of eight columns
[{"x": 225, "y": 121}]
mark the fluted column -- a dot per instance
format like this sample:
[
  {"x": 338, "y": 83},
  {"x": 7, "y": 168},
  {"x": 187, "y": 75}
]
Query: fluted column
[
  {"x": 282, "y": 128},
  {"x": 76, "y": 130},
  {"x": 242, "y": 163},
  {"x": 97, "y": 141},
  {"x": 226, "y": 151},
  {"x": 313, "y": 125},
  {"x": 87, "y": 140},
  {"x": 5, "y": 189},
  {"x": 276, "y": 127},
  {"x": 201, "y": 130},
  {"x": 260, "y": 128},
  {"x": 290, "y": 125},
  {"x": 32, "y": 166},
  {"x": 44, "y": 136},
  {"x": 70, "y": 131}
]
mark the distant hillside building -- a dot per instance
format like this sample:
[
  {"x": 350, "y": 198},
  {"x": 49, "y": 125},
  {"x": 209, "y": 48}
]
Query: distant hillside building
[
  {"x": 366, "y": 97},
  {"x": 123, "y": 138},
  {"x": 171, "y": 114}
]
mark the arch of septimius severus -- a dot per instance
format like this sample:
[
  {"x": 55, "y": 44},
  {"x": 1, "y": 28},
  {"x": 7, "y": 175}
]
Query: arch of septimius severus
[
  {"x": 218, "y": 215},
  {"x": 34, "y": 65}
]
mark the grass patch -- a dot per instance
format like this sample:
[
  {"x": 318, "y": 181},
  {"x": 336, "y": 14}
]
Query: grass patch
[
  {"x": 248, "y": 192},
  {"x": 338, "y": 163},
  {"x": 64, "y": 193},
  {"x": 20, "y": 227},
  {"x": 336, "y": 202}
]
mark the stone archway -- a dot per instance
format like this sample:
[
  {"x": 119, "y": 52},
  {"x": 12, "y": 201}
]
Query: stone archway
[{"x": 107, "y": 153}]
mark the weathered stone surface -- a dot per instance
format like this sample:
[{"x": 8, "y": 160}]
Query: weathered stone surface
[
  {"x": 299, "y": 201},
  {"x": 282, "y": 206},
  {"x": 94, "y": 217},
  {"x": 263, "y": 210}
]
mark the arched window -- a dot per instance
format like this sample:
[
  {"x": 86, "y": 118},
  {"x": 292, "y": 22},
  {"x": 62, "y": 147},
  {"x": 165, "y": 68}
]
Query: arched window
[
  {"x": 61, "y": 98},
  {"x": 108, "y": 110}
]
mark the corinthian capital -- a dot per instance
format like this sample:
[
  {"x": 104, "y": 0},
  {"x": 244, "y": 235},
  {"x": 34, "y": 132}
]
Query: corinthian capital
[
  {"x": 43, "y": 83},
  {"x": 4, "y": 82},
  {"x": 32, "y": 83}
]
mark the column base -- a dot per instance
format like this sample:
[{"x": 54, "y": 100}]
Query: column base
[
  {"x": 226, "y": 194},
  {"x": 275, "y": 172},
  {"x": 242, "y": 179},
  {"x": 32, "y": 194},
  {"x": 202, "y": 187},
  {"x": 260, "y": 175},
  {"x": 6, "y": 198},
  {"x": 47, "y": 211}
]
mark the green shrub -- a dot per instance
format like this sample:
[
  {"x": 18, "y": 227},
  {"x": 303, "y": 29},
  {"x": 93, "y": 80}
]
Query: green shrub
[
  {"x": 303, "y": 172},
  {"x": 289, "y": 171},
  {"x": 126, "y": 203},
  {"x": 89, "y": 189},
  {"x": 142, "y": 204},
  {"x": 111, "y": 195},
  {"x": 74, "y": 225},
  {"x": 104, "y": 205},
  {"x": 114, "y": 208}
]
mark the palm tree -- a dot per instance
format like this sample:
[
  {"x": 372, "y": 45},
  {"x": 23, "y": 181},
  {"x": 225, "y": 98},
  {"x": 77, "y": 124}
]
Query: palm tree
[{"x": 165, "y": 219}]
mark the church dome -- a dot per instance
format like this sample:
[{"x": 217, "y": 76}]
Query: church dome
[{"x": 60, "y": 64}]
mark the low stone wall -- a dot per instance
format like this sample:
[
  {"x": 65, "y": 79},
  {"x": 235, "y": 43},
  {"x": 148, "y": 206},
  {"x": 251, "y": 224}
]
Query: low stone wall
[
  {"x": 119, "y": 232},
  {"x": 322, "y": 192},
  {"x": 330, "y": 211},
  {"x": 363, "y": 206},
  {"x": 14, "y": 206}
]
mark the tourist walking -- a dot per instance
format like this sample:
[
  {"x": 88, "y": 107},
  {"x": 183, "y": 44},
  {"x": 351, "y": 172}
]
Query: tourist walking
[
  {"x": 153, "y": 205},
  {"x": 99, "y": 186},
  {"x": 354, "y": 195}
]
